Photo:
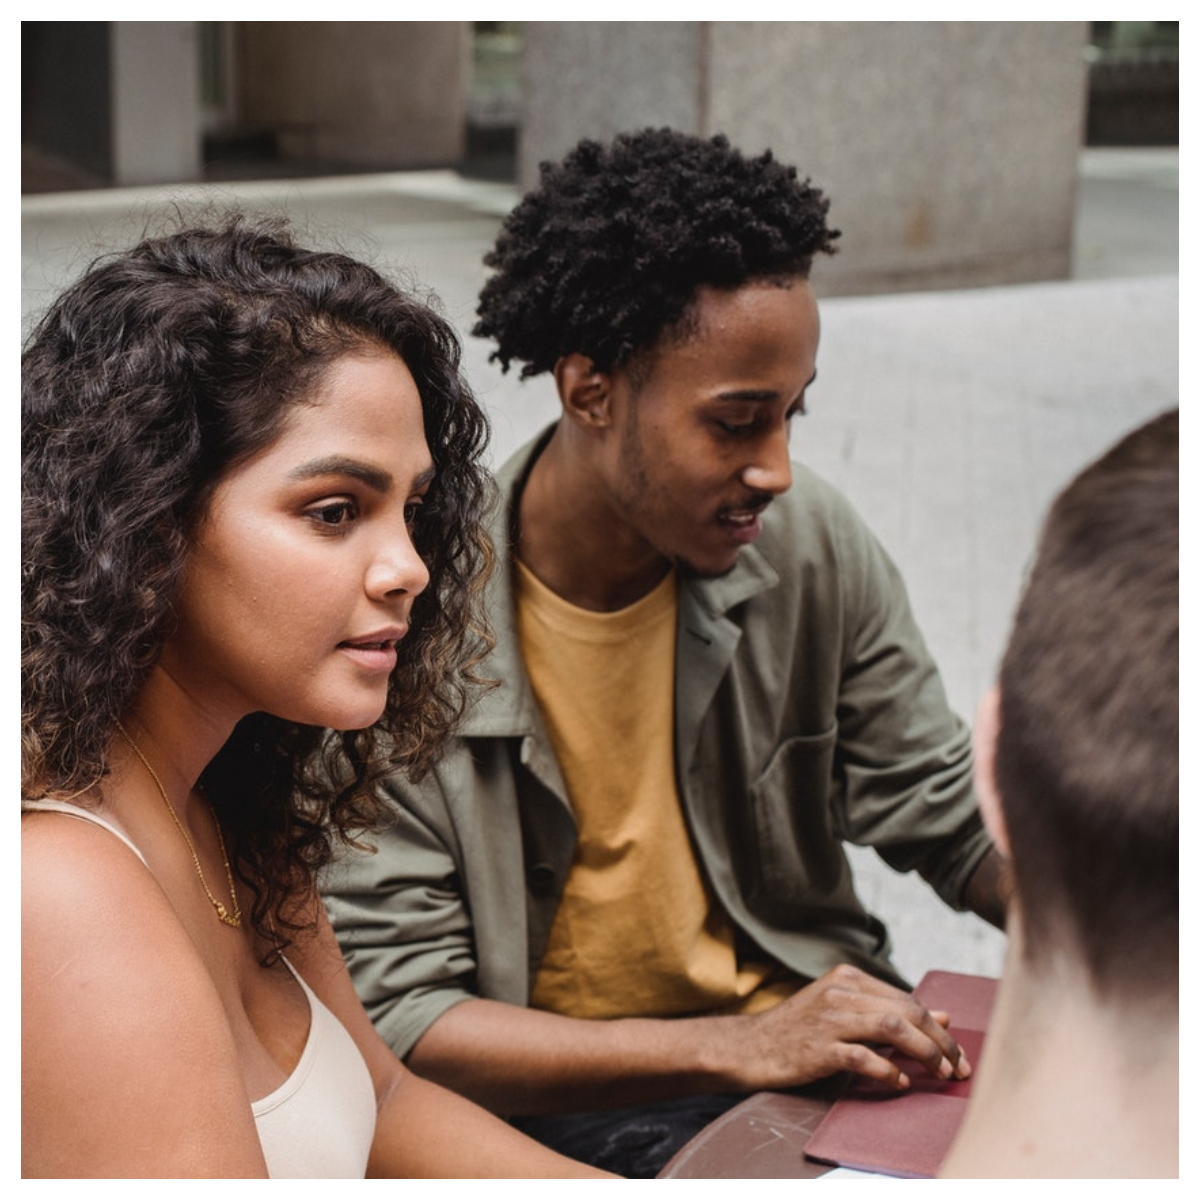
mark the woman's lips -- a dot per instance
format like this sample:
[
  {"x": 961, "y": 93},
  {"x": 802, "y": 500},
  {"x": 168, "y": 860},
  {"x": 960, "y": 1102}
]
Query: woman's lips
[{"x": 373, "y": 654}]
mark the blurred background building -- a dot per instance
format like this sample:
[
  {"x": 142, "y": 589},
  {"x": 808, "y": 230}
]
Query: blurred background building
[{"x": 950, "y": 148}]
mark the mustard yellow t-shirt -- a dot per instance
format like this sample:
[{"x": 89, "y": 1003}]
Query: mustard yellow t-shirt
[{"x": 637, "y": 932}]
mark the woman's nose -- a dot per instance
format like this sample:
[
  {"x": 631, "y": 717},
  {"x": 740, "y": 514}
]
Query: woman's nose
[{"x": 397, "y": 569}]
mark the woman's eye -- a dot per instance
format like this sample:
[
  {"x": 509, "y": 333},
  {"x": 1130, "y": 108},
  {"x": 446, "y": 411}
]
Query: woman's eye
[
  {"x": 340, "y": 512},
  {"x": 736, "y": 427},
  {"x": 412, "y": 511}
]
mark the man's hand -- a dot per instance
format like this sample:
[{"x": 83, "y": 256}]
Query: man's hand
[
  {"x": 836, "y": 1024},
  {"x": 519, "y": 1060}
]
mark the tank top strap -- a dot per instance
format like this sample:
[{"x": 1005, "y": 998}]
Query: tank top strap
[{"x": 82, "y": 814}]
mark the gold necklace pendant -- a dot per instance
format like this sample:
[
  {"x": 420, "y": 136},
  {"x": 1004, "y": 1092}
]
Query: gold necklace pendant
[{"x": 233, "y": 918}]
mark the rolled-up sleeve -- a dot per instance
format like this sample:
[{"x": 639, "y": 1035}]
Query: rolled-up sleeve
[{"x": 404, "y": 926}]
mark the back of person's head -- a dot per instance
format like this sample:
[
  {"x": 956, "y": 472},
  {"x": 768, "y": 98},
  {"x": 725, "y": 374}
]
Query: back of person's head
[
  {"x": 1086, "y": 758},
  {"x": 605, "y": 256}
]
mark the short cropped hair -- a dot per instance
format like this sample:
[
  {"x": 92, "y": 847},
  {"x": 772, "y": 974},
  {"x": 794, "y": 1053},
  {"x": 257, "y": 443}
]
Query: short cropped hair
[
  {"x": 606, "y": 255},
  {"x": 145, "y": 383},
  {"x": 1087, "y": 757}
]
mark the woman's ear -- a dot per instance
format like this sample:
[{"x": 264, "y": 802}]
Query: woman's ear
[
  {"x": 987, "y": 729},
  {"x": 584, "y": 390}
]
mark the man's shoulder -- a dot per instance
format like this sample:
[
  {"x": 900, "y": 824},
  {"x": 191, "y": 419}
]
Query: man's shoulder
[
  {"x": 808, "y": 489},
  {"x": 816, "y": 556},
  {"x": 811, "y": 519}
]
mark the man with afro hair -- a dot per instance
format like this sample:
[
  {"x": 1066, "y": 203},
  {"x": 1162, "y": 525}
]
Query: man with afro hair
[{"x": 621, "y": 902}]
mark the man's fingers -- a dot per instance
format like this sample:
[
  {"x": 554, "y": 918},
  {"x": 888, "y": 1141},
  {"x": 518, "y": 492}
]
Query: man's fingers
[
  {"x": 895, "y": 1018},
  {"x": 938, "y": 1032},
  {"x": 963, "y": 1066},
  {"x": 847, "y": 1017},
  {"x": 862, "y": 1060},
  {"x": 921, "y": 1039}
]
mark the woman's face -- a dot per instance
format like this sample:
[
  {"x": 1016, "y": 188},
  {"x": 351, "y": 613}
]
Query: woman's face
[{"x": 303, "y": 574}]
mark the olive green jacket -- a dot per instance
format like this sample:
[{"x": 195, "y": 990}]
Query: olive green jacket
[{"x": 808, "y": 711}]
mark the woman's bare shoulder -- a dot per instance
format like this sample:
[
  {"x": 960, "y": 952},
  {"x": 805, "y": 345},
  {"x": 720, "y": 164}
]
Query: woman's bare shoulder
[
  {"x": 128, "y": 1066},
  {"x": 86, "y": 893}
]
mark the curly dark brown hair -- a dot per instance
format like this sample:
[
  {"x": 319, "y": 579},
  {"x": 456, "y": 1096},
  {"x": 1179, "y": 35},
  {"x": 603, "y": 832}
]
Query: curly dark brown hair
[
  {"x": 142, "y": 386},
  {"x": 605, "y": 256}
]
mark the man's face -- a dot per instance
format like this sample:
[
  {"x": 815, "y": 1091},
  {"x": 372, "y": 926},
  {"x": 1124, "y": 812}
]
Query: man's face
[{"x": 701, "y": 445}]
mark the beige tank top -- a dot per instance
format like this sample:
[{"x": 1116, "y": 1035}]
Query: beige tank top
[{"x": 318, "y": 1124}]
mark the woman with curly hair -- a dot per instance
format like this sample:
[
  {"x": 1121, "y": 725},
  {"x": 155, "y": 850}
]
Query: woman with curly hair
[{"x": 251, "y": 514}]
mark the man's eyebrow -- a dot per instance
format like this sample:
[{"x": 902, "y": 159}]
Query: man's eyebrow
[
  {"x": 338, "y": 464},
  {"x": 757, "y": 395}
]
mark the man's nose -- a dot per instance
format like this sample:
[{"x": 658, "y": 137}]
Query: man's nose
[{"x": 771, "y": 470}]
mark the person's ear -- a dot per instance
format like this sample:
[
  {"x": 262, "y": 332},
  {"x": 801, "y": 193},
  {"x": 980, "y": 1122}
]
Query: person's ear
[
  {"x": 585, "y": 391},
  {"x": 987, "y": 730}
]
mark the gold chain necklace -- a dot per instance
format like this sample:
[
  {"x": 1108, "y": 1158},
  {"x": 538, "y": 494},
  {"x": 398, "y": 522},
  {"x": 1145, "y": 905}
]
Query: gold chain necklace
[{"x": 233, "y": 918}]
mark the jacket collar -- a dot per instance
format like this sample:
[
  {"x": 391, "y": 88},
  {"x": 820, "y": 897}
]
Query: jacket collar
[{"x": 510, "y": 709}]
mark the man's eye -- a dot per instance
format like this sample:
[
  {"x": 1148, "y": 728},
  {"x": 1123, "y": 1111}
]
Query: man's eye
[
  {"x": 338, "y": 513},
  {"x": 736, "y": 426}
]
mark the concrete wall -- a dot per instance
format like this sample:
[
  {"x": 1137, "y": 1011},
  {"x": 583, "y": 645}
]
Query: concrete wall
[
  {"x": 370, "y": 94},
  {"x": 65, "y": 93},
  {"x": 949, "y": 149},
  {"x": 596, "y": 78},
  {"x": 156, "y": 112},
  {"x": 112, "y": 101}
]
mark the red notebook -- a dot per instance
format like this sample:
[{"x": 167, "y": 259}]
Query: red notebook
[{"x": 872, "y": 1128}]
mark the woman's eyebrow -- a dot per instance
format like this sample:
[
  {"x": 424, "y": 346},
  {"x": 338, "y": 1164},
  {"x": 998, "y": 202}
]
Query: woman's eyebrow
[{"x": 338, "y": 464}]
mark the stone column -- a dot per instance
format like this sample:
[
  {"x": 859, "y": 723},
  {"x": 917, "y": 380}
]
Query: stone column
[
  {"x": 156, "y": 114},
  {"x": 369, "y": 94},
  {"x": 948, "y": 149}
]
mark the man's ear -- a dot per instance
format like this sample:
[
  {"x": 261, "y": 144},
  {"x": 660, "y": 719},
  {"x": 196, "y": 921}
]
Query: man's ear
[
  {"x": 987, "y": 729},
  {"x": 584, "y": 390}
]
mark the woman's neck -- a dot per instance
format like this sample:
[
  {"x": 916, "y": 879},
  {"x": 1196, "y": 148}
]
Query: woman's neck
[{"x": 172, "y": 737}]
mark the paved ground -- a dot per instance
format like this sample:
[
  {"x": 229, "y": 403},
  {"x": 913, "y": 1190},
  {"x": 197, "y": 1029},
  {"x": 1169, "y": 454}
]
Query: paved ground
[{"x": 949, "y": 418}]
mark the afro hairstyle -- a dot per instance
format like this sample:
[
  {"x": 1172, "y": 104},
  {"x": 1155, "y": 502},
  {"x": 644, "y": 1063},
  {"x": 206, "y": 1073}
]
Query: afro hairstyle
[{"x": 605, "y": 256}]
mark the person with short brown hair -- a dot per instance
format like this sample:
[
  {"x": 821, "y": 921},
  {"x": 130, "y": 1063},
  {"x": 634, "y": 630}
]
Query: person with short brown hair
[{"x": 1077, "y": 753}]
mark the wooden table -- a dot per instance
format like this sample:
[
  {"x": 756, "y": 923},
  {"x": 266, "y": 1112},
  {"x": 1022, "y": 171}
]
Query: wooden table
[
  {"x": 764, "y": 1137},
  {"x": 761, "y": 1138}
]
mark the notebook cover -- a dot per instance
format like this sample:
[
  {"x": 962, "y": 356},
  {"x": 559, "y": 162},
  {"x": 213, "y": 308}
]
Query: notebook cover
[{"x": 872, "y": 1128}]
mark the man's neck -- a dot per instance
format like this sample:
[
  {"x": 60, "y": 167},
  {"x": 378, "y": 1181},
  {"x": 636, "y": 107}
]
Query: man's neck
[
  {"x": 573, "y": 542},
  {"x": 1069, "y": 1087}
]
